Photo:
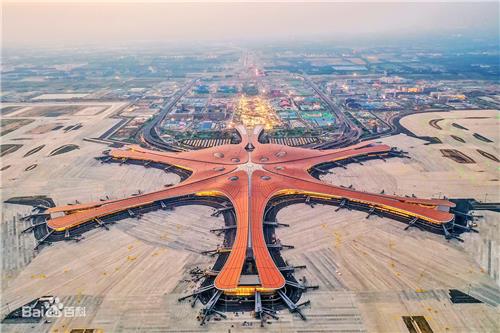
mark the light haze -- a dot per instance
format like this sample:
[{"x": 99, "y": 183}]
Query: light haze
[{"x": 38, "y": 24}]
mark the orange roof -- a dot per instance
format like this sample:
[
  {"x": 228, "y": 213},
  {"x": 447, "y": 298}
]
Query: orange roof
[{"x": 249, "y": 180}]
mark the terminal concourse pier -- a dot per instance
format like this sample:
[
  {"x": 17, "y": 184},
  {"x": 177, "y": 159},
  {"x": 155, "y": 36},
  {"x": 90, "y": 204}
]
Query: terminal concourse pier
[{"x": 247, "y": 183}]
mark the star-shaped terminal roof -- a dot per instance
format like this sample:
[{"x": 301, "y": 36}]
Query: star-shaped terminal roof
[{"x": 250, "y": 174}]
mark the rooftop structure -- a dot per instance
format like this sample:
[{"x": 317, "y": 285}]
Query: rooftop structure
[{"x": 249, "y": 175}]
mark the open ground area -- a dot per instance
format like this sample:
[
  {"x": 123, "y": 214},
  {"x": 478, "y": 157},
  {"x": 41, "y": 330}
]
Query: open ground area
[
  {"x": 427, "y": 173},
  {"x": 370, "y": 272}
]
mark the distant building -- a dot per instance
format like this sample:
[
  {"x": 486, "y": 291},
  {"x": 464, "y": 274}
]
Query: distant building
[{"x": 251, "y": 90}]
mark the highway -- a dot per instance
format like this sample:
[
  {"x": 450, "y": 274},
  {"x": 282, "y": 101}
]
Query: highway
[
  {"x": 149, "y": 132},
  {"x": 350, "y": 132}
]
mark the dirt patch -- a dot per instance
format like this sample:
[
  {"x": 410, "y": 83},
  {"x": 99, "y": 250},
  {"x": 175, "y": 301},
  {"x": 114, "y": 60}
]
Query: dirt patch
[
  {"x": 33, "y": 200},
  {"x": 457, "y": 156},
  {"x": 10, "y": 125},
  {"x": 8, "y": 149},
  {"x": 9, "y": 109},
  {"x": 459, "y": 139},
  {"x": 52, "y": 111},
  {"x": 73, "y": 127},
  {"x": 91, "y": 110},
  {"x": 63, "y": 149},
  {"x": 434, "y": 123},
  {"x": 482, "y": 138},
  {"x": 31, "y": 167},
  {"x": 34, "y": 150},
  {"x": 42, "y": 129},
  {"x": 459, "y": 126},
  {"x": 488, "y": 155}
]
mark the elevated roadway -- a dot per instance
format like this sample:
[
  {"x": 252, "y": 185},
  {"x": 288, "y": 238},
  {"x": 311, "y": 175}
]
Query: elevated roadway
[
  {"x": 349, "y": 131},
  {"x": 149, "y": 132}
]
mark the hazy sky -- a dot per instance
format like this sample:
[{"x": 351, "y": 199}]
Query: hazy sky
[{"x": 32, "y": 24}]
